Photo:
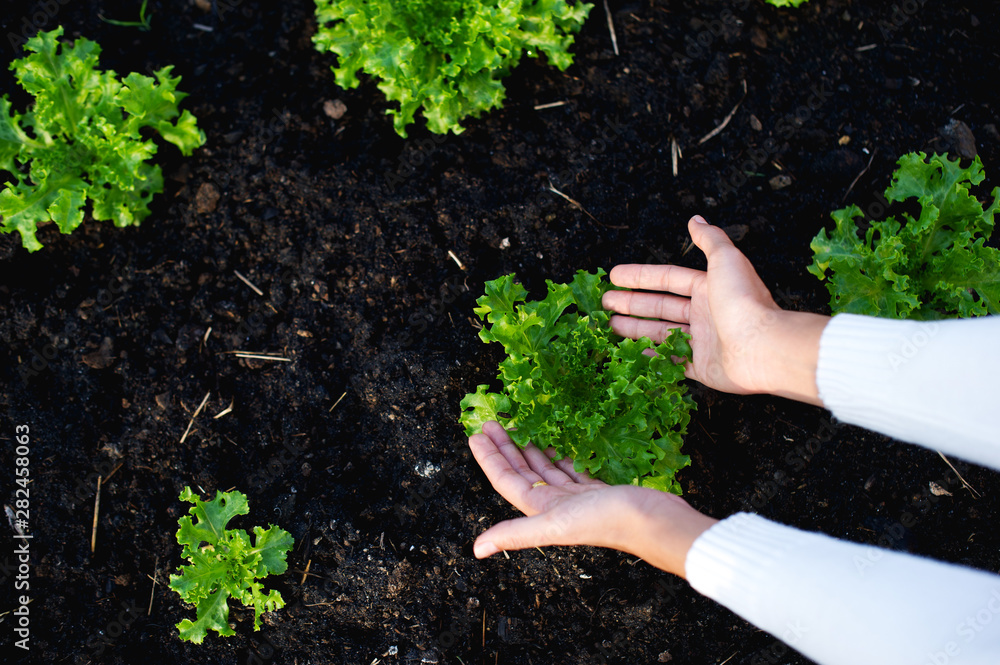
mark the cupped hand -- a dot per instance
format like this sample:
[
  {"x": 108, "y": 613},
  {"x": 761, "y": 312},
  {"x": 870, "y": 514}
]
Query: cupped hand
[
  {"x": 571, "y": 508},
  {"x": 741, "y": 341}
]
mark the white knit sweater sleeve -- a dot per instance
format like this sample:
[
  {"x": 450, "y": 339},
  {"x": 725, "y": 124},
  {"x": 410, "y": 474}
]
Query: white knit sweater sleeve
[
  {"x": 839, "y": 603},
  {"x": 843, "y": 603},
  {"x": 936, "y": 384}
]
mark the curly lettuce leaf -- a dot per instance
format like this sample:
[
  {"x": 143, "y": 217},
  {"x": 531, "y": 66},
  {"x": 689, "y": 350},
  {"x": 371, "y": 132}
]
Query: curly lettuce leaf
[
  {"x": 571, "y": 384},
  {"x": 930, "y": 266},
  {"x": 224, "y": 564},
  {"x": 82, "y": 140},
  {"x": 445, "y": 58}
]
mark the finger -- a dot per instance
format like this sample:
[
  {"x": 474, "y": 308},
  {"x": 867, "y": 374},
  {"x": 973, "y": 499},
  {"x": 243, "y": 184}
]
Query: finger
[
  {"x": 510, "y": 484},
  {"x": 672, "y": 279},
  {"x": 566, "y": 465},
  {"x": 509, "y": 449},
  {"x": 543, "y": 466},
  {"x": 522, "y": 533},
  {"x": 657, "y": 331},
  {"x": 649, "y": 305},
  {"x": 709, "y": 239}
]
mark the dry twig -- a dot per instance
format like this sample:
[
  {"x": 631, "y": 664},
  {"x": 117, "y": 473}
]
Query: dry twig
[
  {"x": 863, "y": 171},
  {"x": 725, "y": 121},
  {"x": 611, "y": 27},
  {"x": 97, "y": 508},
  {"x": 248, "y": 283},
  {"x": 197, "y": 411}
]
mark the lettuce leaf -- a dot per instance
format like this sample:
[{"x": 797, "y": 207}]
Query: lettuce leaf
[
  {"x": 81, "y": 141},
  {"x": 225, "y": 564},
  {"x": 444, "y": 57},
  {"x": 930, "y": 266},
  {"x": 572, "y": 384}
]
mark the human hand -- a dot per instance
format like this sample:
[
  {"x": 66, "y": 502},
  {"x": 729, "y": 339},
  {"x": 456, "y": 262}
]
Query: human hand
[
  {"x": 572, "y": 508},
  {"x": 741, "y": 341}
]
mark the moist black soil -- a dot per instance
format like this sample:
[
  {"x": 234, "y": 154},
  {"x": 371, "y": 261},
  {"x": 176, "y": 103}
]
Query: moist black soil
[{"x": 353, "y": 236}]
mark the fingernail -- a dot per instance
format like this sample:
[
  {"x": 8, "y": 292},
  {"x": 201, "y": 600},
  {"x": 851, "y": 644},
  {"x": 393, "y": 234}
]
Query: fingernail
[
  {"x": 699, "y": 219},
  {"x": 483, "y": 550}
]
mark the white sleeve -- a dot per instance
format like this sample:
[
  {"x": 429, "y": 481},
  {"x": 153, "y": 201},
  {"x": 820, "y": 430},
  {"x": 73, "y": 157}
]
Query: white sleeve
[
  {"x": 936, "y": 384},
  {"x": 842, "y": 603}
]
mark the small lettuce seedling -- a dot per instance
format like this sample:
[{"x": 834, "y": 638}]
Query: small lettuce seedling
[
  {"x": 572, "y": 384},
  {"x": 446, "y": 57},
  {"x": 224, "y": 564},
  {"x": 81, "y": 141},
  {"x": 787, "y": 3},
  {"x": 934, "y": 266}
]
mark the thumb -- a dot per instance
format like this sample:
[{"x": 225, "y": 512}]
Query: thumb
[
  {"x": 522, "y": 533},
  {"x": 708, "y": 238}
]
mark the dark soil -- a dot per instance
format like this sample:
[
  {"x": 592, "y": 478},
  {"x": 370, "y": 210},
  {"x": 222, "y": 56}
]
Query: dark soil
[{"x": 113, "y": 337}]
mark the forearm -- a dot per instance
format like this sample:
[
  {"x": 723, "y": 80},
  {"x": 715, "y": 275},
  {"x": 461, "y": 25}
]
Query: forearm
[
  {"x": 929, "y": 383},
  {"x": 843, "y": 603}
]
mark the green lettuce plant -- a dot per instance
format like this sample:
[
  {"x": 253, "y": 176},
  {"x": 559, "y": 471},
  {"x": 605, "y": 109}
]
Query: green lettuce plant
[
  {"x": 930, "y": 266},
  {"x": 224, "y": 564},
  {"x": 82, "y": 141},
  {"x": 787, "y": 3},
  {"x": 571, "y": 383},
  {"x": 446, "y": 57}
]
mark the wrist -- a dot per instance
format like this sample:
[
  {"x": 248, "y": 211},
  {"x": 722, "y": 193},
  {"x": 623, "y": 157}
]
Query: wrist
[
  {"x": 663, "y": 528},
  {"x": 788, "y": 354}
]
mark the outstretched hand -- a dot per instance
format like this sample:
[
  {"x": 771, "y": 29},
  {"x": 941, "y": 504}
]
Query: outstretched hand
[
  {"x": 741, "y": 341},
  {"x": 571, "y": 508}
]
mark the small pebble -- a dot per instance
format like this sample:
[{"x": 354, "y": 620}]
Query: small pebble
[
  {"x": 779, "y": 182},
  {"x": 207, "y": 198},
  {"x": 334, "y": 108}
]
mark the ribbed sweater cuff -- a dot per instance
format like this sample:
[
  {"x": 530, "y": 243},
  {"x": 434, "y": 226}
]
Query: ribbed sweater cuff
[
  {"x": 932, "y": 383},
  {"x": 858, "y": 372},
  {"x": 732, "y": 561}
]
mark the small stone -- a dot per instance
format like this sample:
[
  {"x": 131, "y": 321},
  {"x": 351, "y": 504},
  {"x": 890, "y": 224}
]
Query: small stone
[
  {"x": 937, "y": 490},
  {"x": 844, "y": 140},
  {"x": 780, "y": 181},
  {"x": 163, "y": 401},
  {"x": 755, "y": 123},
  {"x": 505, "y": 243},
  {"x": 334, "y": 108},
  {"x": 207, "y": 198},
  {"x": 204, "y": 5},
  {"x": 736, "y": 232},
  {"x": 758, "y": 37},
  {"x": 101, "y": 358},
  {"x": 664, "y": 657},
  {"x": 960, "y": 138}
]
